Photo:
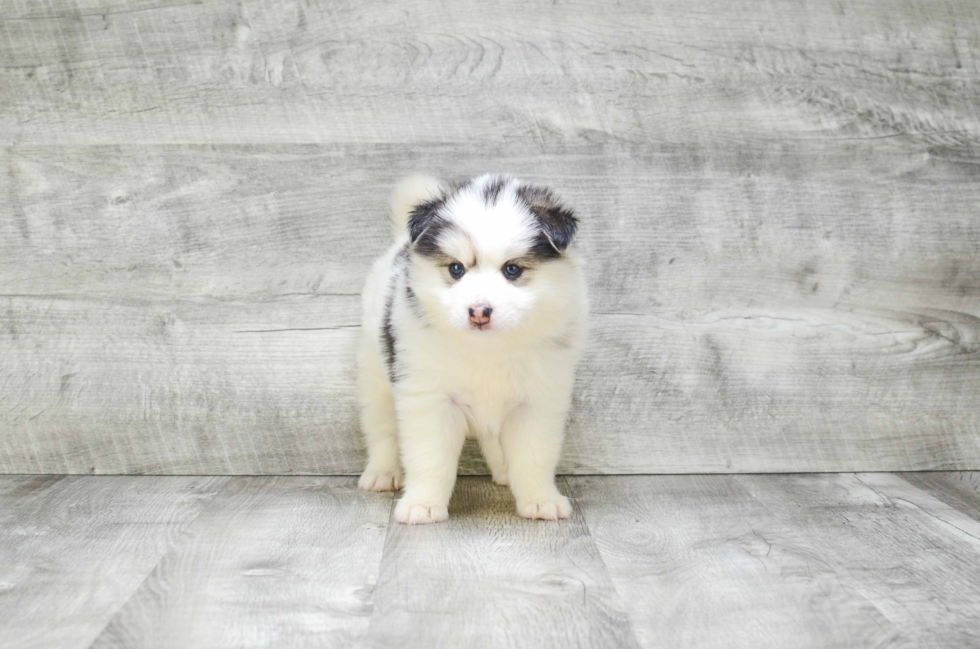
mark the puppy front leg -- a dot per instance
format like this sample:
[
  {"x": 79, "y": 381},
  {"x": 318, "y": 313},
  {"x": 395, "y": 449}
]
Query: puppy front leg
[
  {"x": 431, "y": 433},
  {"x": 531, "y": 441}
]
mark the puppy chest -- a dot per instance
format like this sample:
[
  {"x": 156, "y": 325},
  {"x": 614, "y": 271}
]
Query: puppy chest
[{"x": 484, "y": 413}]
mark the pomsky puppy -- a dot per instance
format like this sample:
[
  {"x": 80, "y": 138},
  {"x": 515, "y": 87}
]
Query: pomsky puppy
[{"x": 473, "y": 322}]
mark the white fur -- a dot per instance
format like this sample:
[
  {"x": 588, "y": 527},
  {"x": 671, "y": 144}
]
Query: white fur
[{"x": 509, "y": 386}]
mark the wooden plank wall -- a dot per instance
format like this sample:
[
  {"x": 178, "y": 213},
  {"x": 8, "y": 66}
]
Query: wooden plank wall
[{"x": 780, "y": 202}]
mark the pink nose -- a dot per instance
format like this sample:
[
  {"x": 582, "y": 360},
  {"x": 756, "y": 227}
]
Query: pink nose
[{"x": 480, "y": 314}]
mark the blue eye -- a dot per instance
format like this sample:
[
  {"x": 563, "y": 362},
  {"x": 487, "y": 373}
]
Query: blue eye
[
  {"x": 456, "y": 270},
  {"x": 512, "y": 271}
]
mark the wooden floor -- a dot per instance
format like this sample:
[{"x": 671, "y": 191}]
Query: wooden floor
[{"x": 803, "y": 560}]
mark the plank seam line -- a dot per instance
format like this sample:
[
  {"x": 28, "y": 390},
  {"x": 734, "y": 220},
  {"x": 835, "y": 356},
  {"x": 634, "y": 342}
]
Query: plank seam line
[
  {"x": 602, "y": 559},
  {"x": 905, "y": 501},
  {"x": 966, "y": 494},
  {"x": 869, "y": 598},
  {"x": 381, "y": 561},
  {"x": 163, "y": 555}
]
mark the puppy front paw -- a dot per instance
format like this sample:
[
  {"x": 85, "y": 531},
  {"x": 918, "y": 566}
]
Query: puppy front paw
[
  {"x": 379, "y": 481},
  {"x": 548, "y": 508},
  {"x": 500, "y": 479},
  {"x": 411, "y": 512}
]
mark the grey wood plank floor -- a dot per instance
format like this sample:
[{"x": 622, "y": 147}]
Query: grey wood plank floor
[{"x": 792, "y": 560}]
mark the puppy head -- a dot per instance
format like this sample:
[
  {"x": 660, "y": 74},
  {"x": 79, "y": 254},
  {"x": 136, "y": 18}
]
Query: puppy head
[{"x": 492, "y": 256}]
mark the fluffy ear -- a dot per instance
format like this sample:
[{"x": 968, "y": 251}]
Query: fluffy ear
[
  {"x": 557, "y": 222},
  {"x": 423, "y": 216},
  {"x": 409, "y": 193}
]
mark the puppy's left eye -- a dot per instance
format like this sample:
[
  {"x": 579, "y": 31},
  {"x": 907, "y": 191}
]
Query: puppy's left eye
[
  {"x": 456, "y": 270},
  {"x": 512, "y": 271}
]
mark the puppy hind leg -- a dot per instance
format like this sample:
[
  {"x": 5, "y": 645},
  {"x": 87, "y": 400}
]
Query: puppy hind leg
[
  {"x": 494, "y": 455},
  {"x": 380, "y": 427}
]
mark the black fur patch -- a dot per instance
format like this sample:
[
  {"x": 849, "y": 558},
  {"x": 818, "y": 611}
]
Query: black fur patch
[
  {"x": 542, "y": 248},
  {"x": 425, "y": 222},
  {"x": 388, "y": 337},
  {"x": 413, "y": 301},
  {"x": 423, "y": 216},
  {"x": 427, "y": 244},
  {"x": 492, "y": 191},
  {"x": 410, "y": 297},
  {"x": 425, "y": 225},
  {"x": 557, "y": 222},
  {"x": 387, "y": 330}
]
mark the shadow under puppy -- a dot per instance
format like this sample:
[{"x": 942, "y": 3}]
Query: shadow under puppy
[{"x": 473, "y": 323}]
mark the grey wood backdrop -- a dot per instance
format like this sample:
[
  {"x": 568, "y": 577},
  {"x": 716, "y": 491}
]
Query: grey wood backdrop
[{"x": 780, "y": 202}]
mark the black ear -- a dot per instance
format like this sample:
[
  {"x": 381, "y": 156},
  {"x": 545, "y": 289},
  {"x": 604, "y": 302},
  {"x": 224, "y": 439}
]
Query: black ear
[
  {"x": 422, "y": 216},
  {"x": 558, "y": 223},
  {"x": 425, "y": 225}
]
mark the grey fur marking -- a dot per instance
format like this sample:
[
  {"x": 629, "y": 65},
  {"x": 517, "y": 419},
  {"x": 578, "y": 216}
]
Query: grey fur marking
[
  {"x": 388, "y": 334},
  {"x": 387, "y": 330},
  {"x": 491, "y": 193}
]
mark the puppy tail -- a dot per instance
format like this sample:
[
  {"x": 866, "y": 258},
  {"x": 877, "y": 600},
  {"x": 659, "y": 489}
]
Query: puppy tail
[{"x": 408, "y": 194}]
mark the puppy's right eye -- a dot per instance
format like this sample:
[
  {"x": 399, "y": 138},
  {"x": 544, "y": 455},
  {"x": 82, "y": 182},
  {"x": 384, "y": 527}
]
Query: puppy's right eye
[{"x": 456, "y": 270}]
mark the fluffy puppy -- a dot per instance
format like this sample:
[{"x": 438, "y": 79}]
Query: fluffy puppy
[{"x": 473, "y": 323}]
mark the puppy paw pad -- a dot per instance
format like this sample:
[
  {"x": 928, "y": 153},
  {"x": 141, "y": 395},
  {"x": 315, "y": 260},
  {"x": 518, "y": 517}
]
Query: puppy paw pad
[
  {"x": 379, "y": 481},
  {"x": 420, "y": 514},
  {"x": 550, "y": 509}
]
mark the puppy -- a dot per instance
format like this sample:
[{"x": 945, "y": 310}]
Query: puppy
[{"x": 473, "y": 323}]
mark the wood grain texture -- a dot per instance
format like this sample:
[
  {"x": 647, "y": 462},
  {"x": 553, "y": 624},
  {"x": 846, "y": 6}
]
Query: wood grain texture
[
  {"x": 701, "y": 563},
  {"x": 489, "y": 578},
  {"x": 822, "y": 561},
  {"x": 272, "y": 562},
  {"x": 791, "y": 560},
  {"x": 169, "y": 309},
  {"x": 74, "y": 549},
  {"x": 959, "y": 489},
  {"x": 779, "y": 209},
  {"x": 943, "y": 516},
  {"x": 912, "y": 555},
  {"x": 98, "y": 71}
]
